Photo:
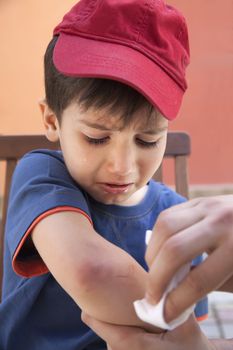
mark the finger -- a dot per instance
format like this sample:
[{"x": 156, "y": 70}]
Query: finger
[
  {"x": 169, "y": 223},
  {"x": 216, "y": 201},
  {"x": 181, "y": 216},
  {"x": 203, "y": 279},
  {"x": 177, "y": 251},
  {"x": 187, "y": 204}
]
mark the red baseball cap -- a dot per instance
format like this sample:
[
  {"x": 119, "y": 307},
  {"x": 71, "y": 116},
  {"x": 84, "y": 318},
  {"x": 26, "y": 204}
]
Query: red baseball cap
[{"x": 142, "y": 43}]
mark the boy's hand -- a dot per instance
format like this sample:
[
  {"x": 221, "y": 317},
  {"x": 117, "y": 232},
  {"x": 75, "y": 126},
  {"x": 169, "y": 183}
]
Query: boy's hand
[
  {"x": 182, "y": 233},
  {"x": 187, "y": 336}
]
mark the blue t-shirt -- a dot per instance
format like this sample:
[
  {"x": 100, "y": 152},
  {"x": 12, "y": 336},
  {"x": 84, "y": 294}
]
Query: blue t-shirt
[{"x": 36, "y": 313}]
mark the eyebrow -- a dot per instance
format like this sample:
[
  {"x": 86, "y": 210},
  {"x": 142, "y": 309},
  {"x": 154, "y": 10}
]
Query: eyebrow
[
  {"x": 104, "y": 128},
  {"x": 98, "y": 126},
  {"x": 154, "y": 131}
]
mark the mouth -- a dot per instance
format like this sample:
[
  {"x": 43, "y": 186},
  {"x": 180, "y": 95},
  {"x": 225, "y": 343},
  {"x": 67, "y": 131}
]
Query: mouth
[{"x": 115, "y": 188}]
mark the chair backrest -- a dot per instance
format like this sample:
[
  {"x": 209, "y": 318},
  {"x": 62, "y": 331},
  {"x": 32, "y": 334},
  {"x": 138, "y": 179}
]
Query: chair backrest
[{"x": 12, "y": 148}]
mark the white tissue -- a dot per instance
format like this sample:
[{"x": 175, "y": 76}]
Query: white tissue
[{"x": 154, "y": 314}]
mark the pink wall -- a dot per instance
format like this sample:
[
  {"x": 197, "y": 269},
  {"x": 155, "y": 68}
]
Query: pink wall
[
  {"x": 26, "y": 27},
  {"x": 207, "y": 112}
]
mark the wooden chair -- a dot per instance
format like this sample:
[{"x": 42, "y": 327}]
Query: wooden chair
[{"x": 12, "y": 148}]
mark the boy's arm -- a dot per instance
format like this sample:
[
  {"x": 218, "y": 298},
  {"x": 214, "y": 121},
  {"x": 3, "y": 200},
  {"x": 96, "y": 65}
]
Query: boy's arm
[{"x": 100, "y": 277}]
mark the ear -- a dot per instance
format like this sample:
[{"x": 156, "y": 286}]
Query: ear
[{"x": 50, "y": 122}]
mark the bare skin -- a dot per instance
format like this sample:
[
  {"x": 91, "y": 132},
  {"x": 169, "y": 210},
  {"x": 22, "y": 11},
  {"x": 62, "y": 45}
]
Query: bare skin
[
  {"x": 180, "y": 234},
  {"x": 187, "y": 336}
]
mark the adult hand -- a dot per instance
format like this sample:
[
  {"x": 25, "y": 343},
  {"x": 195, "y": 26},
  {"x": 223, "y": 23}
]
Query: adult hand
[
  {"x": 187, "y": 336},
  {"x": 180, "y": 234}
]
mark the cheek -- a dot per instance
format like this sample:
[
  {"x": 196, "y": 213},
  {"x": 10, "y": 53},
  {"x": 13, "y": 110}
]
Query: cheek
[
  {"x": 150, "y": 165},
  {"x": 151, "y": 162},
  {"x": 78, "y": 168},
  {"x": 84, "y": 164},
  {"x": 76, "y": 159},
  {"x": 78, "y": 163},
  {"x": 146, "y": 167}
]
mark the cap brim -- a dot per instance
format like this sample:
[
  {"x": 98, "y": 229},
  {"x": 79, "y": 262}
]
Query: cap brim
[{"x": 82, "y": 57}]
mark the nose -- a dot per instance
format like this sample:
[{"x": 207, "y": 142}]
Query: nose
[{"x": 121, "y": 160}]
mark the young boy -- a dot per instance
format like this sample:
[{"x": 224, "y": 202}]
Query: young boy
[{"x": 75, "y": 233}]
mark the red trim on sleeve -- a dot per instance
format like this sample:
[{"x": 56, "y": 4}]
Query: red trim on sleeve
[
  {"x": 37, "y": 267},
  {"x": 202, "y": 318}
]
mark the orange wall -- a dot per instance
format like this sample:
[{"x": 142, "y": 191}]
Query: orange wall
[
  {"x": 26, "y": 27},
  {"x": 207, "y": 112}
]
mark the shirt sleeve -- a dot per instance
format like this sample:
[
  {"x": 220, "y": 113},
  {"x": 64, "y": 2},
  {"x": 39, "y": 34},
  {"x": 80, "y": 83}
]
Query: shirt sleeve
[{"x": 41, "y": 186}]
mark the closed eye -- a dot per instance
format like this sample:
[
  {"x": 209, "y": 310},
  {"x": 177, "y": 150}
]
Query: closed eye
[
  {"x": 94, "y": 141},
  {"x": 146, "y": 144},
  {"x": 103, "y": 140}
]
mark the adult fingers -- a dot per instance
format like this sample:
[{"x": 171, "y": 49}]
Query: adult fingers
[
  {"x": 169, "y": 223},
  {"x": 177, "y": 251},
  {"x": 179, "y": 217},
  {"x": 206, "y": 277}
]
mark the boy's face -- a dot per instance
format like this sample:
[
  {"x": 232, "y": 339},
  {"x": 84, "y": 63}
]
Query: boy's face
[{"x": 110, "y": 161}]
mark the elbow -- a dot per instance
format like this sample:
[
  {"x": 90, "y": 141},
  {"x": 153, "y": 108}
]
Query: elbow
[{"x": 91, "y": 274}]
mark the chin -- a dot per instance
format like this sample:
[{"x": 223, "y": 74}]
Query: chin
[{"x": 116, "y": 200}]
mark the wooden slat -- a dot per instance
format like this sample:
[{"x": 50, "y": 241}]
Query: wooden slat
[
  {"x": 9, "y": 172},
  {"x": 181, "y": 176},
  {"x": 1, "y": 258},
  {"x": 10, "y": 167},
  {"x": 14, "y": 147},
  {"x": 178, "y": 143}
]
